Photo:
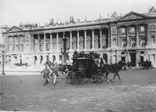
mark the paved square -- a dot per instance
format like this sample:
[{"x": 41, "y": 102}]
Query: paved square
[{"x": 136, "y": 93}]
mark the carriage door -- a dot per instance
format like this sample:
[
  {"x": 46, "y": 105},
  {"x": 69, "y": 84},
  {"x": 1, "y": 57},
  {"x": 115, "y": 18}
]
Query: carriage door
[{"x": 133, "y": 59}]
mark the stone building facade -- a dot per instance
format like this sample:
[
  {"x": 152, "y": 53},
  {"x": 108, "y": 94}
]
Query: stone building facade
[{"x": 131, "y": 37}]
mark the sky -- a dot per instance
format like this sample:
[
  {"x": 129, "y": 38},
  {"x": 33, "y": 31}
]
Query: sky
[{"x": 13, "y": 12}]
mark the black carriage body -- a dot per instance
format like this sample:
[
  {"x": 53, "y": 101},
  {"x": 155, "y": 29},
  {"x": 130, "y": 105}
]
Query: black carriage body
[{"x": 84, "y": 65}]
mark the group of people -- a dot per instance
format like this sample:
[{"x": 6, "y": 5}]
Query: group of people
[{"x": 48, "y": 73}]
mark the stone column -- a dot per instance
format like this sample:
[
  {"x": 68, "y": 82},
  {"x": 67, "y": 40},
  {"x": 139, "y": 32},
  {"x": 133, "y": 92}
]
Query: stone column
[
  {"x": 147, "y": 36},
  {"x": 13, "y": 43},
  {"x": 127, "y": 29},
  {"x": 93, "y": 39},
  {"x": 78, "y": 40},
  {"x": 85, "y": 34},
  {"x": 137, "y": 36},
  {"x": 18, "y": 41},
  {"x": 100, "y": 38},
  {"x": 51, "y": 41},
  {"x": 108, "y": 43},
  {"x": 44, "y": 42},
  {"x": 32, "y": 42},
  {"x": 71, "y": 40},
  {"x": 7, "y": 43},
  {"x": 57, "y": 41},
  {"x": 118, "y": 37},
  {"x": 38, "y": 42}
]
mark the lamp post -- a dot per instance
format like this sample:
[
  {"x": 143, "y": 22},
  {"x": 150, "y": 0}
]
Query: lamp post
[
  {"x": 64, "y": 48},
  {"x": 116, "y": 55},
  {"x": 111, "y": 56},
  {"x": 3, "y": 73}
]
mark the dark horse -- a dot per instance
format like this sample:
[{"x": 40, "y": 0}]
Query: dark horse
[
  {"x": 145, "y": 64},
  {"x": 113, "y": 68}
]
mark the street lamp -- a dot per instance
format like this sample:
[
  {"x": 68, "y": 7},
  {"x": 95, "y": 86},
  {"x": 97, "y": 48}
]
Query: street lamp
[
  {"x": 116, "y": 55},
  {"x": 111, "y": 56},
  {"x": 3, "y": 73},
  {"x": 64, "y": 48}
]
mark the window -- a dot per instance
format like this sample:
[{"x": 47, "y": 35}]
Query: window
[
  {"x": 153, "y": 38},
  {"x": 41, "y": 45},
  {"x": 15, "y": 39},
  {"x": 132, "y": 30},
  {"x": 114, "y": 41},
  {"x": 16, "y": 47},
  {"x": 123, "y": 42},
  {"x": 123, "y": 30},
  {"x": 122, "y": 53},
  {"x": 21, "y": 47},
  {"x": 133, "y": 42},
  {"x": 47, "y": 44},
  {"x": 142, "y": 52},
  {"x": 21, "y": 38},
  {"x": 142, "y": 28},
  {"x": 152, "y": 27},
  {"x": 10, "y": 39},
  {"x": 153, "y": 57},
  {"x": 142, "y": 41}
]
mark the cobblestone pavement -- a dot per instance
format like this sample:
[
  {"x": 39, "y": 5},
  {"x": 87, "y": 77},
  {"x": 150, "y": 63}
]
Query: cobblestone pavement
[{"x": 136, "y": 93}]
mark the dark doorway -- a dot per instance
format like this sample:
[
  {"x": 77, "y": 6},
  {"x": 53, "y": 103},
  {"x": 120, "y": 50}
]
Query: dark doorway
[
  {"x": 123, "y": 59},
  {"x": 141, "y": 58},
  {"x": 35, "y": 59},
  {"x": 41, "y": 59},
  {"x": 133, "y": 59},
  {"x": 105, "y": 57}
]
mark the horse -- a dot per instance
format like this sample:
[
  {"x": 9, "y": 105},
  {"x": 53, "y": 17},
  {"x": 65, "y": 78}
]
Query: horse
[
  {"x": 145, "y": 64},
  {"x": 113, "y": 68}
]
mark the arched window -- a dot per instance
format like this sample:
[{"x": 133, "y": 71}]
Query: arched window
[
  {"x": 54, "y": 58},
  {"x": 41, "y": 59},
  {"x": 105, "y": 58}
]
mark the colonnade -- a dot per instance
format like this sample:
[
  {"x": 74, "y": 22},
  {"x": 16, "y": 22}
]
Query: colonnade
[{"x": 76, "y": 40}]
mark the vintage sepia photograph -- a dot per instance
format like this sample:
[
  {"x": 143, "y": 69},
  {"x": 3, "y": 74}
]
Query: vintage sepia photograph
[{"x": 77, "y": 56}]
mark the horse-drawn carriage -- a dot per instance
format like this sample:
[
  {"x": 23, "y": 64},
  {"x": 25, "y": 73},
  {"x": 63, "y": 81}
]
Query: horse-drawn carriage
[{"x": 84, "y": 68}]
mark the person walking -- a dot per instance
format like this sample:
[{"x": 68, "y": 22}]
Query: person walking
[{"x": 45, "y": 73}]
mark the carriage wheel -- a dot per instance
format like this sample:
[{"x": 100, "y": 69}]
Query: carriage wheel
[
  {"x": 101, "y": 77},
  {"x": 98, "y": 77},
  {"x": 79, "y": 78},
  {"x": 69, "y": 78},
  {"x": 94, "y": 78}
]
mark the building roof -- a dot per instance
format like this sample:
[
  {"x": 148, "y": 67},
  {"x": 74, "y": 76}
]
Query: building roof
[{"x": 114, "y": 18}]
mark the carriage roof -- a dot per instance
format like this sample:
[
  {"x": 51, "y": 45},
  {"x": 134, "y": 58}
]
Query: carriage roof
[{"x": 81, "y": 58}]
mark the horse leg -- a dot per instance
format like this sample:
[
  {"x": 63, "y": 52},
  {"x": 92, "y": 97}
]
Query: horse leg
[
  {"x": 46, "y": 81},
  {"x": 117, "y": 74},
  {"x": 54, "y": 80},
  {"x": 106, "y": 77},
  {"x": 114, "y": 76}
]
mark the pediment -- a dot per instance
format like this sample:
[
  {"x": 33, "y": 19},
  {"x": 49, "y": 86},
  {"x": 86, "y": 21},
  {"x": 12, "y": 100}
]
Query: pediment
[
  {"x": 14, "y": 29},
  {"x": 132, "y": 16}
]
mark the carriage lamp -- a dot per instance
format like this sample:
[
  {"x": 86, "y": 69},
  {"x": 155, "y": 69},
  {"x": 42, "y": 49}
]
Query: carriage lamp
[{"x": 3, "y": 73}]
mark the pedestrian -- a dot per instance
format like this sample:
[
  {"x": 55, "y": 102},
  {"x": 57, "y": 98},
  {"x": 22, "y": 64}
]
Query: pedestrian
[
  {"x": 45, "y": 72},
  {"x": 54, "y": 73}
]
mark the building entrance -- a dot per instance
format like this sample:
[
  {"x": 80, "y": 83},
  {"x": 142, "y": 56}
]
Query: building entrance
[
  {"x": 123, "y": 59},
  {"x": 141, "y": 58},
  {"x": 133, "y": 59}
]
